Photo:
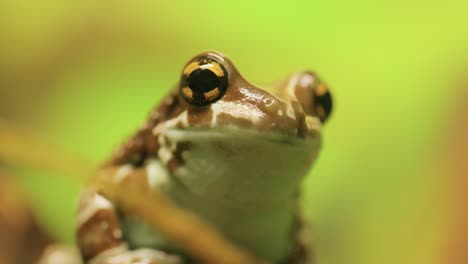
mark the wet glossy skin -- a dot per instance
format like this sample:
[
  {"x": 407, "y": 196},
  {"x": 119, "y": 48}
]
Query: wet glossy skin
[{"x": 230, "y": 151}]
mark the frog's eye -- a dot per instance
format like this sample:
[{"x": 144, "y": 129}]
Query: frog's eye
[
  {"x": 314, "y": 96},
  {"x": 322, "y": 102},
  {"x": 204, "y": 81}
]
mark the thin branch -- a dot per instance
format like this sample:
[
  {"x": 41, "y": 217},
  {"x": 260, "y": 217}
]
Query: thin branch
[{"x": 18, "y": 145}]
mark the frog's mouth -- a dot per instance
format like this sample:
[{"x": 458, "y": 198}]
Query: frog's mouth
[{"x": 236, "y": 134}]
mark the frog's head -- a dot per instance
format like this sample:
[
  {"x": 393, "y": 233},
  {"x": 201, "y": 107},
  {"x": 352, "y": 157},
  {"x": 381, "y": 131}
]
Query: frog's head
[{"x": 235, "y": 141}]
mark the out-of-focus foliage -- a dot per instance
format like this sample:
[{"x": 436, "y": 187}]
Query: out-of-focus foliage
[{"x": 83, "y": 74}]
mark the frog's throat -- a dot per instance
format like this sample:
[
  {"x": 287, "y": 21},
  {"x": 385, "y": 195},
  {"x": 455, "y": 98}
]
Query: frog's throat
[
  {"x": 233, "y": 133},
  {"x": 237, "y": 166}
]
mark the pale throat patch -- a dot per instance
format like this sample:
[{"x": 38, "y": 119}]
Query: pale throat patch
[{"x": 156, "y": 173}]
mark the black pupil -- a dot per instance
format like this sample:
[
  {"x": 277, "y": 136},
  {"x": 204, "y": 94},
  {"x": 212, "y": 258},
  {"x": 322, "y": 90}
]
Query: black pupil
[
  {"x": 202, "y": 80},
  {"x": 326, "y": 102}
]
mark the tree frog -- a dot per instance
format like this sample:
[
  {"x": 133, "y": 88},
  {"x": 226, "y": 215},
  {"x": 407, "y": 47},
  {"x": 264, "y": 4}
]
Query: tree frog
[{"x": 229, "y": 151}]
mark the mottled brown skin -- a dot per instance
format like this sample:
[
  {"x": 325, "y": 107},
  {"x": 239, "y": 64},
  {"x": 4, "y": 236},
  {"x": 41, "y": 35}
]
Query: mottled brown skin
[
  {"x": 101, "y": 232},
  {"x": 98, "y": 233}
]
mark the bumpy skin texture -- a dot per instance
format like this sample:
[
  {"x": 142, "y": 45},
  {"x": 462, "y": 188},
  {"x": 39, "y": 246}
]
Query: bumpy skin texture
[{"x": 296, "y": 111}]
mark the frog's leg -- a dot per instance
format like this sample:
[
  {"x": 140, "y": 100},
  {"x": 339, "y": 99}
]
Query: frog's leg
[
  {"x": 98, "y": 225},
  {"x": 99, "y": 233},
  {"x": 302, "y": 251}
]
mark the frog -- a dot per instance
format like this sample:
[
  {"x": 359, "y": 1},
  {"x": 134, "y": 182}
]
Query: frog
[{"x": 233, "y": 153}]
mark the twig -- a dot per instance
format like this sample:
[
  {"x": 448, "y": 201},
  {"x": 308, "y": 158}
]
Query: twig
[{"x": 18, "y": 145}]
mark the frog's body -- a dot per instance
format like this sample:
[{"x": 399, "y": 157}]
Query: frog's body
[{"x": 229, "y": 151}]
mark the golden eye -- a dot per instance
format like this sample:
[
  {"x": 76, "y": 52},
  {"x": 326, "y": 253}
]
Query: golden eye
[
  {"x": 322, "y": 102},
  {"x": 204, "y": 81},
  {"x": 314, "y": 96}
]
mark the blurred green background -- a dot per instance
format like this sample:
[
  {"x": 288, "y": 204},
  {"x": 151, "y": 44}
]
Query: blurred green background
[{"x": 84, "y": 74}]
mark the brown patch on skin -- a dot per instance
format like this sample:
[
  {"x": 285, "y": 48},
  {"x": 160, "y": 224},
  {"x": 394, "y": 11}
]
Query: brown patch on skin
[
  {"x": 255, "y": 98},
  {"x": 224, "y": 119},
  {"x": 181, "y": 147},
  {"x": 177, "y": 160},
  {"x": 99, "y": 233},
  {"x": 304, "y": 91},
  {"x": 152, "y": 145},
  {"x": 314, "y": 96},
  {"x": 301, "y": 249},
  {"x": 302, "y": 129},
  {"x": 201, "y": 115},
  {"x": 299, "y": 253},
  {"x": 300, "y": 119},
  {"x": 173, "y": 164}
]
